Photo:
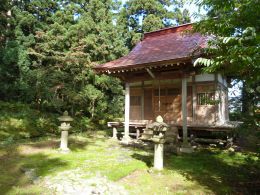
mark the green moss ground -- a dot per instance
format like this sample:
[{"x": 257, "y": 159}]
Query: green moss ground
[{"x": 204, "y": 172}]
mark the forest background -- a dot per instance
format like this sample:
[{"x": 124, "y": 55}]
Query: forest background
[{"x": 48, "y": 49}]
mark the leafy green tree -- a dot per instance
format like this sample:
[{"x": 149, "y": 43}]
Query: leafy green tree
[
  {"x": 234, "y": 49},
  {"x": 91, "y": 95},
  {"x": 4, "y": 8},
  {"x": 52, "y": 47},
  {"x": 7, "y": 51},
  {"x": 25, "y": 19},
  {"x": 93, "y": 39}
]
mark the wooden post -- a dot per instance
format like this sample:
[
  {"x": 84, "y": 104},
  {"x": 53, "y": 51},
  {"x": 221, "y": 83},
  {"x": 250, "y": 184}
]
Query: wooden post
[
  {"x": 184, "y": 110},
  {"x": 221, "y": 118},
  {"x": 217, "y": 107},
  {"x": 185, "y": 148},
  {"x": 194, "y": 99},
  {"x": 159, "y": 103},
  {"x": 142, "y": 101},
  {"x": 226, "y": 105},
  {"x": 126, "y": 137}
]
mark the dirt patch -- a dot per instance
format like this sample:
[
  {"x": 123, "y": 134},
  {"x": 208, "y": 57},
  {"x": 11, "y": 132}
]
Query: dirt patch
[
  {"x": 132, "y": 178},
  {"x": 38, "y": 147}
]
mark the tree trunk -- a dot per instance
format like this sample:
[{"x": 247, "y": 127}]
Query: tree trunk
[{"x": 93, "y": 109}]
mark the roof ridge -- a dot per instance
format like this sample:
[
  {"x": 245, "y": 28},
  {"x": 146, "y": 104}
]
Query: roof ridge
[{"x": 167, "y": 30}]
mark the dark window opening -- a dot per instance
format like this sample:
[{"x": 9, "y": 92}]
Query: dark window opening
[
  {"x": 174, "y": 91},
  {"x": 206, "y": 98},
  {"x": 162, "y": 92}
]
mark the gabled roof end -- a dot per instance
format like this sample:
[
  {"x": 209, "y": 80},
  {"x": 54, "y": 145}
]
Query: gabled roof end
[{"x": 163, "y": 31}]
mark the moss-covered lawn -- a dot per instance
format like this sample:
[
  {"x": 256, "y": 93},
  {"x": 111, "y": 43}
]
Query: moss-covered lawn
[{"x": 204, "y": 172}]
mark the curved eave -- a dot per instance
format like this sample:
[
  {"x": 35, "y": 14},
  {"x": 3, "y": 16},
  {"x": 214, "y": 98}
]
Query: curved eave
[{"x": 158, "y": 64}]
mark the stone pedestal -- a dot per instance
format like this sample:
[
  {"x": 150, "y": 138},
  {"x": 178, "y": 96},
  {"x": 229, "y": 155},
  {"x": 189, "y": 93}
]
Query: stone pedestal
[
  {"x": 159, "y": 129},
  {"x": 158, "y": 156},
  {"x": 65, "y": 120},
  {"x": 64, "y": 141},
  {"x": 186, "y": 149},
  {"x": 137, "y": 133}
]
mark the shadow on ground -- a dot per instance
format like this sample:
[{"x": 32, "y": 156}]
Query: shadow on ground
[
  {"x": 221, "y": 172},
  {"x": 147, "y": 159},
  {"x": 16, "y": 159}
]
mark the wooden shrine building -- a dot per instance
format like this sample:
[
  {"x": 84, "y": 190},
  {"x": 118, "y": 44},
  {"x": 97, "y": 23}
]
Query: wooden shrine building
[{"x": 160, "y": 79}]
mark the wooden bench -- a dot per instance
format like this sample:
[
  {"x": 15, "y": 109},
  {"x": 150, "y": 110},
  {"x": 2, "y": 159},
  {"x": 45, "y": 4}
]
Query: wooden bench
[{"x": 137, "y": 125}]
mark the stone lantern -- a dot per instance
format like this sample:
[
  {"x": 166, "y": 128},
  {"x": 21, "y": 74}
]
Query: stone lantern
[
  {"x": 65, "y": 120},
  {"x": 159, "y": 129}
]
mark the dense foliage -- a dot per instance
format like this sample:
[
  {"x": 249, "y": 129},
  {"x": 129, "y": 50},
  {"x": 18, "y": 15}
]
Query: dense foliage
[
  {"x": 139, "y": 16},
  {"x": 236, "y": 26},
  {"x": 48, "y": 49},
  {"x": 19, "y": 121},
  {"x": 234, "y": 50}
]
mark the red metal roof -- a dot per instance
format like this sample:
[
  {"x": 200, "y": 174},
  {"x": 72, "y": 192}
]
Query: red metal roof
[{"x": 169, "y": 44}]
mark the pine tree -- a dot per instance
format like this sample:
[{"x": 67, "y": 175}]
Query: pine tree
[
  {"x": 4, "y": 15},
  {"x": 53, "y": 46},
  {"x": 139, "y": 16}
]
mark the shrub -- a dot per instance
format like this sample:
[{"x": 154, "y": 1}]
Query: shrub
[
  {"x": 19, "y": 121},
  {"x": 249, "y": 134}
]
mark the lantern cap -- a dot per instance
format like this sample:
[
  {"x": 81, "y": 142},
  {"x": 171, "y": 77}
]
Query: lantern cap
[
  {"x": 65, "y": 117},
  {"x": 159, "y": 119}
]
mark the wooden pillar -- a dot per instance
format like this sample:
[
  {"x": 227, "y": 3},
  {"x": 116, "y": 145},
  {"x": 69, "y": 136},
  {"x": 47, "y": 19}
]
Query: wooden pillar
[
  {"x": 221, "y": 118},
  {"x": 226, "y": 105},
  {"x": 184, "y": 111},
  {"x": 159, "y": 103},
  {"x": 194, "y": 99},
  {"x": 126, "y": 137},
  {"x": 142, "y": 101},
  {"x": 217, "y": 107}
]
